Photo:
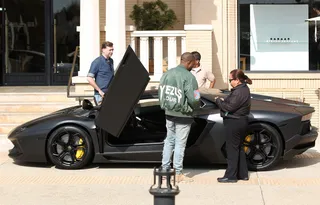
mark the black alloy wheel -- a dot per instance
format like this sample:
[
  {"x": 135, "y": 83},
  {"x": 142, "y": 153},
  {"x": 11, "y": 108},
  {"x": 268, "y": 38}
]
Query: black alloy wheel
[
  {"x": 70, "y": 147},
  {"x": 263, "y": 147}
]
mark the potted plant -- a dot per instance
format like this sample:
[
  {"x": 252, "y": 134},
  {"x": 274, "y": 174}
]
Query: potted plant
[{"x": 153, "y": 15}]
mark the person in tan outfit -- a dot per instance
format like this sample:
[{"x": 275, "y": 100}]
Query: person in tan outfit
[{"x": 201, "y": 74}]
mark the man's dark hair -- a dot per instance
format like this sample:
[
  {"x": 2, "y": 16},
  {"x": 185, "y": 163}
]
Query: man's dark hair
[
  {"x": 187, "y": 57},
  {"x": 106, "y": 44},
  {"x": 196, "y": 54}
]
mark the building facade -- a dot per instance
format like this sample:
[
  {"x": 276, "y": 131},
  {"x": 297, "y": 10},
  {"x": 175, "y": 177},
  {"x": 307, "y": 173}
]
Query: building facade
[{"x": 276, "y": 42}]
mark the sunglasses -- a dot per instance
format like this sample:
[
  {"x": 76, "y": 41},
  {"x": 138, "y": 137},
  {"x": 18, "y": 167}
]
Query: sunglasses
[{"x": 231, "y": 80}]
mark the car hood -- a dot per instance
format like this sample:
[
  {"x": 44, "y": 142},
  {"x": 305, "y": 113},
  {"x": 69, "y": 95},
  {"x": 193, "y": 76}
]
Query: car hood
[
  {"x": 65, "y": 111},
  {"x": 123, "y": 94},
  {"x": 43, "y": 118}
]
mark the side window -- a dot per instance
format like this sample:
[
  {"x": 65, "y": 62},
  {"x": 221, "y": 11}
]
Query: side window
[
  {"x": 207, "y": 104},
  {"x": 202, "y": 103}
]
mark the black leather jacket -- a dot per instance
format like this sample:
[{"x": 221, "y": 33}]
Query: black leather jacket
[{"x": 237, "y": 104}]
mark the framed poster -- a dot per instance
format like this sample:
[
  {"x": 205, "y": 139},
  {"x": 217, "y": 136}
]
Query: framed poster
[{"x": 279, "y": 38}]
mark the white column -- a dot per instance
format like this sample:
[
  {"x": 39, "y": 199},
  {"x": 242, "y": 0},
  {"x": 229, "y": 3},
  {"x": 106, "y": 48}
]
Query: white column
[
  {"x": 158, "y": 57},
  {"x": 89, "y": 34},
  {"x": 144, "y": 52},
  {"x": 116, "y": 28},
  {"x": 172, "y": 52},
  {"x": 183, "y": 44},
  {"x": 133, "y": 43}
]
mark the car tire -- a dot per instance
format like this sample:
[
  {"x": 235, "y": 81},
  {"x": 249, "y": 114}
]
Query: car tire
[
  {"x": 263, "y": 146},
  {"x": 69, "y": 147}
]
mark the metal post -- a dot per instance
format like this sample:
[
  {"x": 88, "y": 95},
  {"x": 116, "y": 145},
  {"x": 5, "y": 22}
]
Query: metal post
[
  {"x": 164, "y": 195},
  {"x": 48, "y": 42}
]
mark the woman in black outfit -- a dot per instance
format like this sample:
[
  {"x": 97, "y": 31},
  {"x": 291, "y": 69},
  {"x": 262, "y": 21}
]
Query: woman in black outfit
[{"x": 235, "y": 109}]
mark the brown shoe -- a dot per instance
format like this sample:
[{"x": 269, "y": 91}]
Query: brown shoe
[{"x": 183, "y": 178}]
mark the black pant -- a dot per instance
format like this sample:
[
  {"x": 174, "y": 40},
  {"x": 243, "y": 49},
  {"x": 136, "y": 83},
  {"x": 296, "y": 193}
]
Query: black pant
[{"x": 236, "y": 130}]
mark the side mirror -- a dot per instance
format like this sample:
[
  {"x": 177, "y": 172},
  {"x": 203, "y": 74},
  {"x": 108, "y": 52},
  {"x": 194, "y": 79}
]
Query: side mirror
[{"x": 86, "y": 104}]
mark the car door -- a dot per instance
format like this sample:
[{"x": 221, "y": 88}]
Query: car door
[{"x": 124, "y": 92}]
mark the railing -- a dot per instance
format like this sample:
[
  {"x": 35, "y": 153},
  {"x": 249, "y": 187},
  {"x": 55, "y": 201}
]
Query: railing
[
  {"x": 78, "y": 97},
  {"x": 152, "y": 46},
  {"x": 161, "y": 48}
]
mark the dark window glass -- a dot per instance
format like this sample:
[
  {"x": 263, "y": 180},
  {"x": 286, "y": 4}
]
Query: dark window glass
[
  {"x": 24, "y": 36},
  {"x": 289, "y": 42},
  {"x": 66, "y": 38}
]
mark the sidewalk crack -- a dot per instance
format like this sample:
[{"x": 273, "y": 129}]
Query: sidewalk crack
[{"x": 262, "y": 196}]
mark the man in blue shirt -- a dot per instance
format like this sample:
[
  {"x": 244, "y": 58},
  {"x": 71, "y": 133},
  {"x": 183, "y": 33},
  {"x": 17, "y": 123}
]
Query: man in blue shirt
[{"x": 101, "y": 71}]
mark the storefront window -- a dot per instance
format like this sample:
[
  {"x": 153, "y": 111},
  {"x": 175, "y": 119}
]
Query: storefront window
[
  {"x": 66, "y": 38},
  {"x": 279, "y": 35},
  {"x": 24, "y": 36}
]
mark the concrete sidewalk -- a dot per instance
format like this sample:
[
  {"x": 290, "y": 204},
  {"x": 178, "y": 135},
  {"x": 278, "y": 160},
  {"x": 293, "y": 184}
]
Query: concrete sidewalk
[{"x": 292, "y": 182}]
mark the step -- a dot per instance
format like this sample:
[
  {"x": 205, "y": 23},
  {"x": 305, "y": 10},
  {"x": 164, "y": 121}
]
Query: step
[
  {"x": 12, "y": 118},
  {"x": 35, "y": 97},
  {"x": 6, "y": 128},
  {"x": 38, "y": 89},
  {"x": 34, "y": 107}
]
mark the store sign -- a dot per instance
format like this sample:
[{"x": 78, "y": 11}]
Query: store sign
[{"x": 279, "y": 38}]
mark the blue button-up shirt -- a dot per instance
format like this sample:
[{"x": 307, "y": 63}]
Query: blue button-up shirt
[{"x": 102, "y": 70}]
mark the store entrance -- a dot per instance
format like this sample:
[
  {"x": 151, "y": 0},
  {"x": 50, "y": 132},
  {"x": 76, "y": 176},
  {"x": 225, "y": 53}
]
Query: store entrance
[
  {"x": 23, "y": 42},
  {"x": 38, "y": 39}
]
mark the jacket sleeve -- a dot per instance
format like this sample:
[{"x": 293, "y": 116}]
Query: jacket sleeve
[
  {"x": 231, "y": 104},
  {"x": 192, "y": 94}
]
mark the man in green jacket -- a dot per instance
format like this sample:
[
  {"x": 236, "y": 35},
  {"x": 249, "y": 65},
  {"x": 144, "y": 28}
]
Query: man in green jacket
[{"x": 178, "y": 96}]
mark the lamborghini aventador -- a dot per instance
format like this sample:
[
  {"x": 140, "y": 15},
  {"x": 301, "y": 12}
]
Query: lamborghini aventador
[{"x": 129, "y": 127}]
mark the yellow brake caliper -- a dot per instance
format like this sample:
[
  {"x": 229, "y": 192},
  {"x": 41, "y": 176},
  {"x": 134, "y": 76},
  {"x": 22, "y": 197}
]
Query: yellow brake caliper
[
  {"x": 80, "y": 150},
  {"x": 247, "y": 139}
]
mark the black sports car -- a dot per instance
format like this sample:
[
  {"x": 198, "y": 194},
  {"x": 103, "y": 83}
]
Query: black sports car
[{"x": 129, "y": 126}]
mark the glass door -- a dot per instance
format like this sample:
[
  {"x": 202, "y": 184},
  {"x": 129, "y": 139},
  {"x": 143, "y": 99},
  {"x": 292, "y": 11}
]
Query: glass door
[
  {"x": 66, "y": 14},
  {"x": 2, "y": 42},
  {"x": 24, "y": 38}
]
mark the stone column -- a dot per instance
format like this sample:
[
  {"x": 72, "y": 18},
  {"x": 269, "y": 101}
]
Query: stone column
[
  {"x": 172, "y": 52},
  {"x": 133, "y": 43},
  {"x": 183, "y": 44},
  {"x": 116, "y": 28},
  {"x": 89, "y": 34},
  {"x": 158, "y": 56},
  {"x": 144, "y": 51},
  {"x": 232, "y": 18}
]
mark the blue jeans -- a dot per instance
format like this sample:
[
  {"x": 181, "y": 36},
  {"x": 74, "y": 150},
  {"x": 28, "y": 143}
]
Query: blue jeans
[
  {"x": 176, "y": 140},
  {"x": 98, "y": 98}
]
